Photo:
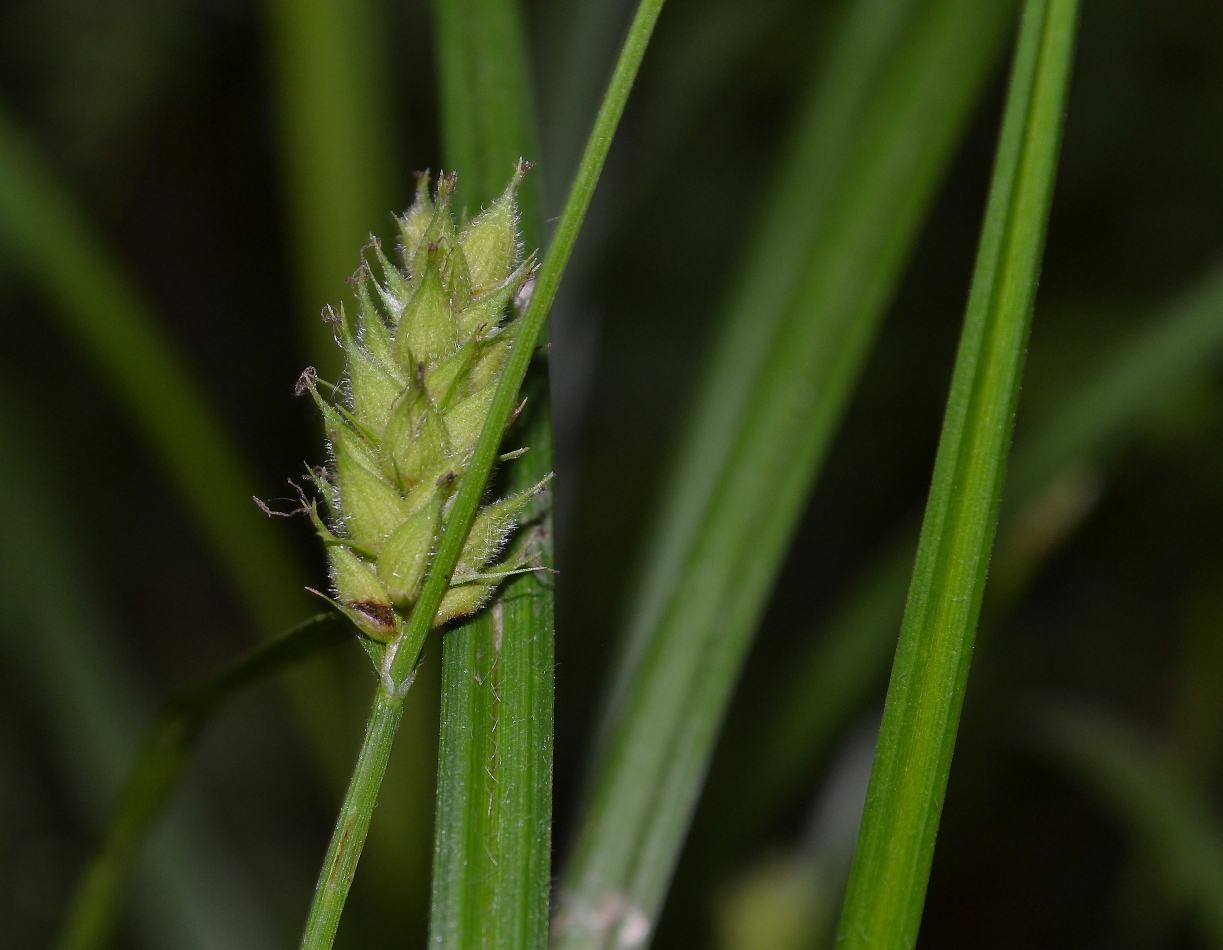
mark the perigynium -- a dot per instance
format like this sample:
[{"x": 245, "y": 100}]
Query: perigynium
[{"x": 424, "y": 356}]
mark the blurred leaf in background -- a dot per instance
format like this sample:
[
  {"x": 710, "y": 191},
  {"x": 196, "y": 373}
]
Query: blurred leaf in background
[{"x": 170, "y": 124}]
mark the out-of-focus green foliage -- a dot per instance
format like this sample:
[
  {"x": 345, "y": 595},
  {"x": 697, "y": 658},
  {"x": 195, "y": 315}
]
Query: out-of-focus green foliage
[
  {"x": 62, "y": 653},
  {"x": 332, "y": 69},
  {"x": 887, "y": 883},
  {"x": 43, "y": 232},
  {"x": 1172, "y": 821},
  {"x": 234, "y": 156},
  {"x": 159, "y": 763}
]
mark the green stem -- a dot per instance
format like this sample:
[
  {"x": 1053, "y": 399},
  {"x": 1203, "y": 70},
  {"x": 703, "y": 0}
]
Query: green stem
[
  {"x": 493, "y": 819},
  {"x": 352, "y": 825},
  {"x": 887, "y": 885},
  {"x": 402, "y": 654}
]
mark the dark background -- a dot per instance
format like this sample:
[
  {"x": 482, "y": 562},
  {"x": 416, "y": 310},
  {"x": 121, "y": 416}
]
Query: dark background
[{"x": 159, "y": 117}]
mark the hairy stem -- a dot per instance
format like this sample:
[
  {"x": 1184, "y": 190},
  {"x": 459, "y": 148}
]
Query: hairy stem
[
  {"x": 340, "y": 865},
  {"x": 402, "y": 654}
]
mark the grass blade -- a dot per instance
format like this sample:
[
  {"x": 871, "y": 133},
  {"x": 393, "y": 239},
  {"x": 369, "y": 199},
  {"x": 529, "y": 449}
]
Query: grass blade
[
  {"x": 95, "y": 905},
  {"x": 401, "y": 654},
  {"x": 190, "y": 891},
  {"x": 887, "y": 885},
  {"x": 1167, "y": 815},
  {"x": 845, "y": 661},
  {"x": 873, "y": 138},
  {"x": 332, "y": 82},
  {"x": 487, "y": 104},
  {"x": 492, "y": 857}
]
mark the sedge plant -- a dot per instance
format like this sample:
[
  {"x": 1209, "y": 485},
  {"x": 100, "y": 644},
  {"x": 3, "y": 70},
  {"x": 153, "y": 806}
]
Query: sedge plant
[
  {"x": 435, "y": 537},
  {"x": 427, "y": 519},
  {"x": 424, "y": 357}
]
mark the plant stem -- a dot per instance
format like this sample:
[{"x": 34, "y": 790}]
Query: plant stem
[
  {"x": 353, "y": 822},
  {"x": 493, "y": 820},
  {"x": 402, "y": 654},
  {"x": 877, "y": 129},
  {"x": 887, "y": 886}
]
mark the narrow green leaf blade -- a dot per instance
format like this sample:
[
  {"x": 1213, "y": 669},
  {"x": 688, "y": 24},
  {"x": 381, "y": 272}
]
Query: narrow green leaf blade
[
  {"x": 887, "y": 885},
  {"x": 492, "y": 858},
  {"x": 492, "y": 855},
  {"x": 874, "y": 135}
]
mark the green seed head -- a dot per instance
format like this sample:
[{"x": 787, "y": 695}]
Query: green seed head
[{"x": 424, "y": 352}]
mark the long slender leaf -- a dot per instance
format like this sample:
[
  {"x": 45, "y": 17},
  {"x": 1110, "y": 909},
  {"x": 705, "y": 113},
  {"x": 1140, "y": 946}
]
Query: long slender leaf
[
  {"x": 873, "y": 137},
  {"x": 190, "y": 892},
  {"x": 845, "y": 660},
  {"x": 492, "y": 860},
  {"x": 401, "y": 655},
  {"x": 887, "y": 885},
  {"x": 167, "y": 746},
  {"x": 492, "y": 855},
  {"x": 1166, "y": 814},
  {"x": 332, "y": 82}
]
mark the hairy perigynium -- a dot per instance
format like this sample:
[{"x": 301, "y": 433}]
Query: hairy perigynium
[{"x": 424, "y": 356}]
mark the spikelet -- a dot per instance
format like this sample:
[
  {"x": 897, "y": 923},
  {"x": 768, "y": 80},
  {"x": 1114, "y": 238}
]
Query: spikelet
[{"x": 424, "y": 353}]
